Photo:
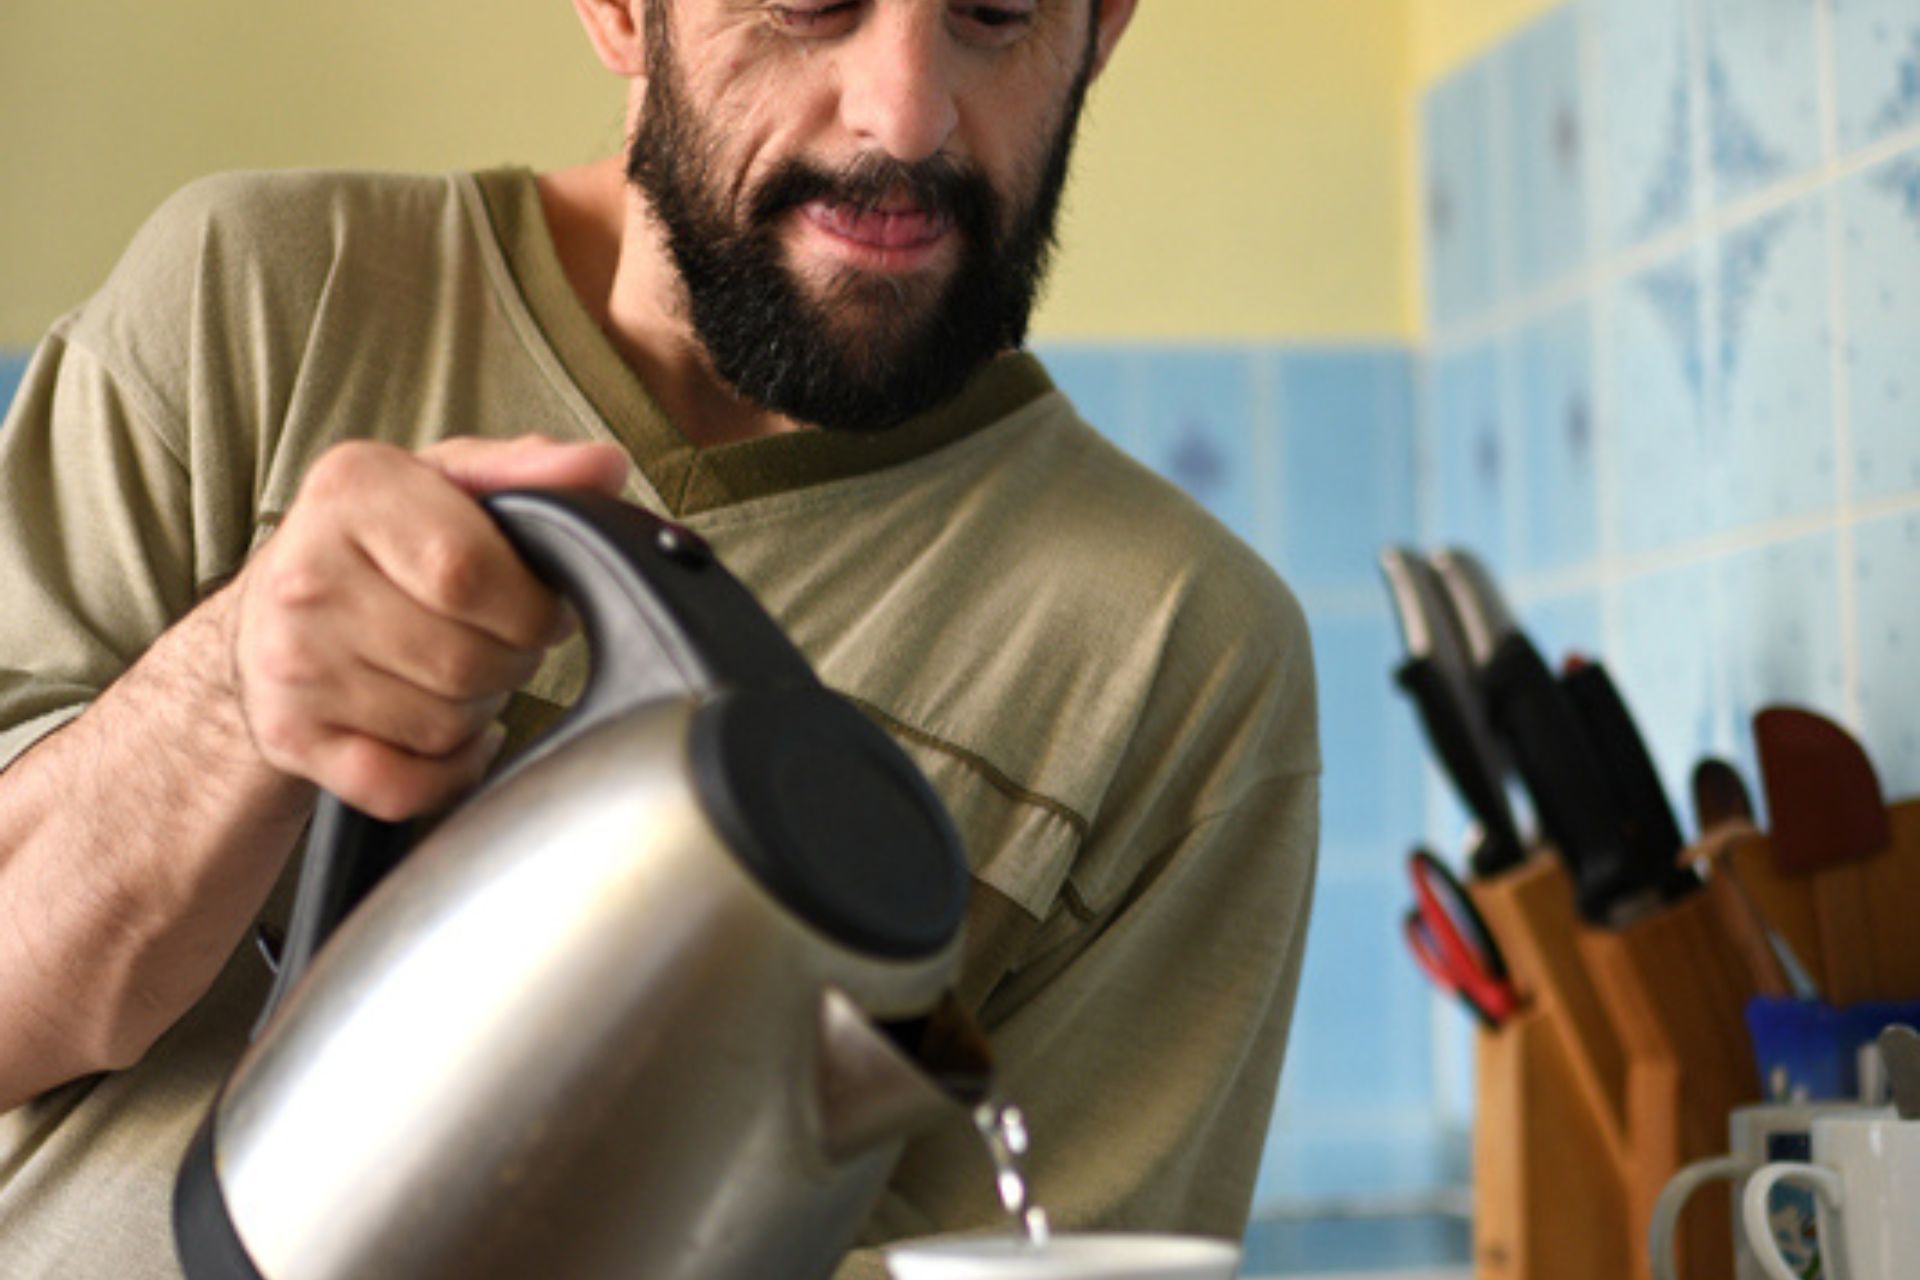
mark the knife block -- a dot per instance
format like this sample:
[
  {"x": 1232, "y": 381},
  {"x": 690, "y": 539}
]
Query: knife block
[
  {"x": 1632, "y": 1050},
  {"x": 1546, "y": 1201},
  {"x": 1878, "y": 962}
]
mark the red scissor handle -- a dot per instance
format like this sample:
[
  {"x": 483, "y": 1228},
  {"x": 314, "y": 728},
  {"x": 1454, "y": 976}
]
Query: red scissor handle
[{"x": 1452, "y": 944}]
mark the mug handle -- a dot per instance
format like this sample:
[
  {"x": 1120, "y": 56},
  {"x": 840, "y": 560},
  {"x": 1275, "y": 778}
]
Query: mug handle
[
  {"x": 1753, "y": 1212},
  {"x": 1673, "y": 1198}
]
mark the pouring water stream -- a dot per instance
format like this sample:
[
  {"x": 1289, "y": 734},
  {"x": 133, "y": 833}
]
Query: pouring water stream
[{"x": 1004, "y": 1130}]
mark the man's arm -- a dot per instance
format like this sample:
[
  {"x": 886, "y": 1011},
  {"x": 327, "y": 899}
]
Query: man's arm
[{"x": 366, "y": 649}]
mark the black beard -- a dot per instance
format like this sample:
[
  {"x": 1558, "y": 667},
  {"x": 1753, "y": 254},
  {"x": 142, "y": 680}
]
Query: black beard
[{"x": 875, "y": 350}]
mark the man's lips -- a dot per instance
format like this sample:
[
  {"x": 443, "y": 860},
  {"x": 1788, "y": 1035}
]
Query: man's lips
[{"x": 905, "y": 228}]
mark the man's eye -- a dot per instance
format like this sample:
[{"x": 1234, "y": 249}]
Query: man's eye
[
  {"x": 995, "y": 21},
  {"x": 988, "y": 15},
  {"x": 813, "y": 19}
]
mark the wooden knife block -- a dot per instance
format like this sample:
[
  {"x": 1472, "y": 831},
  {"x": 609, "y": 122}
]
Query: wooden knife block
[
  {"x": 1630, "y": 1053},
  {"x": 1880, "y": 961}
]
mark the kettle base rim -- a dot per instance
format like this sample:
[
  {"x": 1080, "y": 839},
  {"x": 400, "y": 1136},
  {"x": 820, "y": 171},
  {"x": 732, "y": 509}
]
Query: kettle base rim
[{"x": 205, "y": 1239}]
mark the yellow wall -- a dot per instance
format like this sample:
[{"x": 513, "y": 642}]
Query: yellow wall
[
  {"x": 108, "y": 105},
  {"x": 1242, "y": 174}
]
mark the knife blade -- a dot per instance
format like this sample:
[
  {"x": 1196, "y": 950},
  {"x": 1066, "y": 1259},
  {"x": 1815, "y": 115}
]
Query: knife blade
[{"x": 1438, "y": 675}]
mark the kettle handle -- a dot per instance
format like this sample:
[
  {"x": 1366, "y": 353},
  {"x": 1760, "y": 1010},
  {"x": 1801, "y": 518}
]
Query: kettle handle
[{"x": 662, "y": 620}]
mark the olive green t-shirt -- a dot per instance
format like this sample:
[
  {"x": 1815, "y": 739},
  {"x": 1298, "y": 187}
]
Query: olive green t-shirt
[{"x": 1113, "y": 696}]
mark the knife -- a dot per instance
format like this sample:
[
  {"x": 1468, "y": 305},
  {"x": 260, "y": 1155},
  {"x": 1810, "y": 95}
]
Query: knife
[
  {"x": 1532, "y": 716},
  {"x": 1438, "y": 675},
  {"x": 1652, "y": 833}
]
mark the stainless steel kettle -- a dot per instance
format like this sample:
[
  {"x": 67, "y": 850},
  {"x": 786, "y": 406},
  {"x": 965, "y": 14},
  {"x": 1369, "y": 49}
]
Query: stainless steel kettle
[{"x": 645, "y": 1005}]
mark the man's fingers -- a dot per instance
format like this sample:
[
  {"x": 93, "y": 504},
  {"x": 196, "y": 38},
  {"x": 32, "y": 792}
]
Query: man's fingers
[
  {"x": 436, "y": 545},
  {"x": 530, "y": 462},
  {"x": 392, "y": 785},
  {"x": 384, "y": 624}
]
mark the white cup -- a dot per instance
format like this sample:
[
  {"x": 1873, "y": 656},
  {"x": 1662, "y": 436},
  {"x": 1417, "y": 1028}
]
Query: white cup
[
  {"x": 1066, "y": 1257},
  {"x": 1865, "y": 1176},
  {"x": 1755, "y": 1135}
]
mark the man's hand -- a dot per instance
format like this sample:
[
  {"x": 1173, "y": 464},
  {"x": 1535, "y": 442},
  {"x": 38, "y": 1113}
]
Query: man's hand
[{"x": 380, "y": 631}]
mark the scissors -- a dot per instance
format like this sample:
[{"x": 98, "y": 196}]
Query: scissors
[{"x": 1452, "y": 944}]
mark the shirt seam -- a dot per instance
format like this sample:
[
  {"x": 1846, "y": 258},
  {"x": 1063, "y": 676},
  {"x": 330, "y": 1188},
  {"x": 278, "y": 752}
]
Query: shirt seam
[
  {"x": 1087, "y": 913},
  {"x": 525, "y": 326},
  {"x": 995, "y": 777},
  {"x": 151, "y": 414}
]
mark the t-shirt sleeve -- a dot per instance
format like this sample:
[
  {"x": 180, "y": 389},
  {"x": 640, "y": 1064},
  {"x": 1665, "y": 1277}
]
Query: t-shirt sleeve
[{"x": 96, "y": 555}]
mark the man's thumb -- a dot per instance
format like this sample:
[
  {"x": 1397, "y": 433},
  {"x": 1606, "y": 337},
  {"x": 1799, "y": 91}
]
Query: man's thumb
[{"x": 530, "y": 462}]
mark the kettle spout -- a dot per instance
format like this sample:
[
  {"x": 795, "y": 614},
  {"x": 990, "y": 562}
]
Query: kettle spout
[{"x": 881, "y": 1083}]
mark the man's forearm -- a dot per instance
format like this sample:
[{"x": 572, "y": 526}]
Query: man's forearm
[{"x": 136, "y": 844}]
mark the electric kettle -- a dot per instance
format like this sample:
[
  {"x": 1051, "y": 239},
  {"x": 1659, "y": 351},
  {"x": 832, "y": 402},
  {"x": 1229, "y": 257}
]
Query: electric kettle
[{"x": 646, "y": 1004}]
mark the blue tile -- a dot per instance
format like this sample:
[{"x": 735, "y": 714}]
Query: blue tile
[
  {"x": 1347, "y": 462},
  {"x": 1461, "y": 240},
  {"x": 1876, "y": 50},
  {"x": 1104, "y": 383},
  {"x": 1666, "y": 660},
  {"x": 1662, "y": 470},
  {"x": 1762, "y": 92},
  {"x": 1198, "y": 427},
  {"x": 1472, "y": 452},
  {"x": 1427, "y": 1244},
  {"x": 1886, "y": 567},
  {"x": 1363, "y": 1023},
  {"x": 1772, "y": 401},
  {"x": 1559, "y": 486},
  {"x": 1545, "y": 145},
  {"x": 1645, "y": 112},
  {"x": 1370, "y": 787},
  {"x": 1781, "y": 640},
  {"x": 1566, "y": 624},
  {"x": 13, "y": 366},
  {"x": 1880, "y": 213}
]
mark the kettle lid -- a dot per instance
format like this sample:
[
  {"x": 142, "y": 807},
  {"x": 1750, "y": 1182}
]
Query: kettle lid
[{"x": 831, "y": 817}]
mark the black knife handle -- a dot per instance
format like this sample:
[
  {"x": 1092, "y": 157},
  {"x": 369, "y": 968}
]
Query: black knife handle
[
  {"x": 1447, "y": 727},
  {"x": 1651, "y": 832},
  {"x": 1563, "y": 774}
]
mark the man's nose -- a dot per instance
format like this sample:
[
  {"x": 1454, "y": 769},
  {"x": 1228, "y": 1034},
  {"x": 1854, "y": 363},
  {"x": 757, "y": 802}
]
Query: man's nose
[{"x": 897, "y": 92}]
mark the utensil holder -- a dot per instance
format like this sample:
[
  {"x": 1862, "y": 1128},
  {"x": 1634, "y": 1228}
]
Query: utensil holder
[
  {"x": 1631, "y": 1053},
  {"x": 1879, "y": 959}
]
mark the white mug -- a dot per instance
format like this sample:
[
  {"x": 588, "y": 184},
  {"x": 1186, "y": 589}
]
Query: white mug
[
  {"x": 1865, "y": 1175},
  {"x": 1755, "y": 1135},
  {"x": 1070, "y": 1256}
]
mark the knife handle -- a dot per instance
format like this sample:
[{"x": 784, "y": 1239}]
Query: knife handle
[
  {"x": 1467, "y": 761},
  {"x": 1564, "y": 776},
  {"x": 1652, "y": 835}
]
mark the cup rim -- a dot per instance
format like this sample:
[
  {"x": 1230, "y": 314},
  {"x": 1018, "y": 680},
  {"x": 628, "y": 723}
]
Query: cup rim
[
  {"x": 1866, "y": 1118},
  {"x": 1170, "y": 1249}
]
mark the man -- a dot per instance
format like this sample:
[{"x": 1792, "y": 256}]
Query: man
[{"x": 242, "y": 560}]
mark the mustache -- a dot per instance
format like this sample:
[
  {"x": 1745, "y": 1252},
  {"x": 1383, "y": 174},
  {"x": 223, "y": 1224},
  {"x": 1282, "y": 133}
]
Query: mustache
[{"x": 938, "y": 185}]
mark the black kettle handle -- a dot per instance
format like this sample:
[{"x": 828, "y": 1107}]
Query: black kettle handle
[{"x": 662, "y": 620}]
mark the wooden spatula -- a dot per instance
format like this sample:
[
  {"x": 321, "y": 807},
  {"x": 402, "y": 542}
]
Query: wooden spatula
[{"x": 1827, "y": 818}]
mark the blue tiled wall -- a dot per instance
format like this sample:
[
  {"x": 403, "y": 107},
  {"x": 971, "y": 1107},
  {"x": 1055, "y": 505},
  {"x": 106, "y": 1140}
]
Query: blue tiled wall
[
  {"x": 12, "y": 365},
  {"x": 1692, "y": 437}
]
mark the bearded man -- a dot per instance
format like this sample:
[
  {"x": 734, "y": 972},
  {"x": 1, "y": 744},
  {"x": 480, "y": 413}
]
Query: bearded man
[{"x": 242, "y": 560}]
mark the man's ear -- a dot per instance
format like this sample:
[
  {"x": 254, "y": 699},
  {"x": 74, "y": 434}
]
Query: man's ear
[
  {"x": 617, "y": 29},
  {"x": 1113, "y": 17}
]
